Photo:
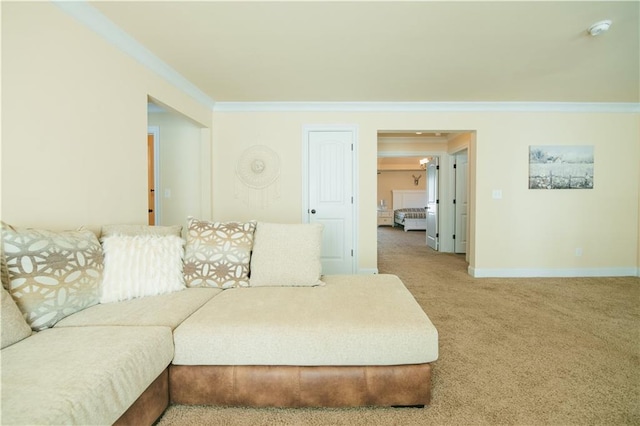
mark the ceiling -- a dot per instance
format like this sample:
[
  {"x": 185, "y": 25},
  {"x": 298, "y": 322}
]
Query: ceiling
[
  {"x": 393, "y": 51},
  {"x": 393, "y": 164}
]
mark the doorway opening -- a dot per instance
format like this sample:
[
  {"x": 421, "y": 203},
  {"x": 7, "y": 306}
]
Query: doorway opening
[
  {"x": 178, "y": 166},
  {"x": 439, "y": 161}
]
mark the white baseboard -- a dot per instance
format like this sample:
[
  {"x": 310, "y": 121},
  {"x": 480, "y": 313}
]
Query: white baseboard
[
  {"x": 368, "y": 271},
  {"x": 552, "y": 273}
]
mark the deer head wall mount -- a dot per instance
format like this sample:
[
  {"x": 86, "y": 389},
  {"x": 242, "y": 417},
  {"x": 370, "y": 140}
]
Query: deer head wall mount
[{"x": 416, "y": 179}]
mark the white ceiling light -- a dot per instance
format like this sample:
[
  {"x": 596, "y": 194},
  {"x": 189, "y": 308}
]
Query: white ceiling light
[{"x": 599, "y": 27}]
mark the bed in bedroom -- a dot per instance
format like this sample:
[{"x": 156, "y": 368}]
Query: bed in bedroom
[{"x": 409, "y": 209}]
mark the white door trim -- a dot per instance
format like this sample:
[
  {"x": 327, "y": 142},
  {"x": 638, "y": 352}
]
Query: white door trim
[
  {"x": 306, "y": 129},
  {"x": 456, "y": 188},
  {"x": 155, "y": 131}
]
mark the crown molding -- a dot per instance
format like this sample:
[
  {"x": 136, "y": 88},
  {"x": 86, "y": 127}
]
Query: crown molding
[
  {"x": 97, "y": 22},
  {"x": 581, "y": 107}
]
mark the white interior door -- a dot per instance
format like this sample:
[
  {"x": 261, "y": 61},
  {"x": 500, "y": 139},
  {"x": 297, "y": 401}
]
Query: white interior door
[
  {"x": 461, "y": 203},
  {"x": 432, "y": 203},
  {"x": 330, "y": 196}
]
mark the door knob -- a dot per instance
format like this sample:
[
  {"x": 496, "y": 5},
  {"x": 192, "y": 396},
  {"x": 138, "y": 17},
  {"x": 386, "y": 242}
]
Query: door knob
[{"x": 313, "y": 211}]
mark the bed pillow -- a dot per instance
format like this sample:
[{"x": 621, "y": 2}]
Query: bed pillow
[
  {"x": 133, "y": 230},
  {"x": 141, "y": 265},
  {"x": 286, "y": 255},
  {"x": 51, "y": 275},
  {"x": 218, "y": 254}
]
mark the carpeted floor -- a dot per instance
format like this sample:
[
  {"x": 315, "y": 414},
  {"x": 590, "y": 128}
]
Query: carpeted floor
[{"x": 512, "y": 351}]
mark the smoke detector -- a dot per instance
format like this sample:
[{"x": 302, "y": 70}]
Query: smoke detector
[{"x": 599, "y": 27}]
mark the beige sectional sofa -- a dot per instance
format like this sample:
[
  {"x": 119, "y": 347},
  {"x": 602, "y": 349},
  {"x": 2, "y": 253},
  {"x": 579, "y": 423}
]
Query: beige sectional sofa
[{"x": 291, "y": 340}]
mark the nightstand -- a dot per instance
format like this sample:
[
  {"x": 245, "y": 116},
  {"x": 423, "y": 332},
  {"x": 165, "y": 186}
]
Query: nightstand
[{"x": 385, "y": 218}]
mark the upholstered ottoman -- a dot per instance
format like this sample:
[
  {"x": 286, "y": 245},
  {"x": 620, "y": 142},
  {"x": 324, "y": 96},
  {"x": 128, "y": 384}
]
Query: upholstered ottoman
[{"x": 358, "y": 340}]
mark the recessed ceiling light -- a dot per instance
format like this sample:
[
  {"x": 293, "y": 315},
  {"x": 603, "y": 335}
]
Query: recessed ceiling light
[
  {"x": 418, "y": 133},
  {"x": 599, "y": 27}
]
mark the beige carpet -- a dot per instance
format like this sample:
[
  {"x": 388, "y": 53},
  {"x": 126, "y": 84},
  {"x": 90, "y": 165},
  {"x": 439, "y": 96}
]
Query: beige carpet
[{"x": 512, "y": 351}]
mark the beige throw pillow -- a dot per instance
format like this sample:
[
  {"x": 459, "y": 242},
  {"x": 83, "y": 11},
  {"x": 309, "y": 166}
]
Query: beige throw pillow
[
  {"x": 51, "y": 275},
  {"x": 141, "y": 265},
  {"x": 218, "y": 254},
  {"x": 13, "y": 326},
  {"x": 286, "y": 255}
]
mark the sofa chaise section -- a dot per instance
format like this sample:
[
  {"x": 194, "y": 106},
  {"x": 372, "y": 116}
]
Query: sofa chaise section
[
  {"x": 357, "y": 340},
  {"x": 84, "y": 375}
]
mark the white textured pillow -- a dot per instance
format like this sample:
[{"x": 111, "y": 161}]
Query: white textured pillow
[
  {"x": 286, "y": 255},
  {"x": 141, "y": 265},
  {"x": 133, "y": 230}
]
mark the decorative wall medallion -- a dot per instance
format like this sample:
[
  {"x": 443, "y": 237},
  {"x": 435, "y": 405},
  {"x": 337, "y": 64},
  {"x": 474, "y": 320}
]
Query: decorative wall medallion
[{"x": 257, "y": 173}]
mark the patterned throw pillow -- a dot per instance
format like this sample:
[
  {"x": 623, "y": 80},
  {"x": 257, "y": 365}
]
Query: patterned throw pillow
[
  {"x": 51, "y": 274},
  {"x": 218, "y": 254}
]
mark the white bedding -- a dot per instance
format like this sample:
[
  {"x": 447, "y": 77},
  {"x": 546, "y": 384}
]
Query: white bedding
[
  {"x": 411, "y": 218},
  {"x": 409, "y": 212}
]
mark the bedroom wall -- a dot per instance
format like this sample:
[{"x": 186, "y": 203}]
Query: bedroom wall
[
  {"x": 74, "y": 122},
  {"x": 389, "y": 180},
  {"x": 526, "y": 232}
]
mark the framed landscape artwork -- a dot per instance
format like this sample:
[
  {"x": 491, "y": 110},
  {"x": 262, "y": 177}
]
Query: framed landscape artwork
[{"x": 560, "y": 167}]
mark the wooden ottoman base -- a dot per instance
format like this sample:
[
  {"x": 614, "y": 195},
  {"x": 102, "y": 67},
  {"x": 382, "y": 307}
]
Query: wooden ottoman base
[
  {"x": 150, "y": 405},
  {"x": 292, "y": 386}
]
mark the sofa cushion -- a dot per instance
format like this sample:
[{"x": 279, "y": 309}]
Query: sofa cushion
[
  {"x": 352, "y": 320},
  {"x": 141, "y": 265},
  {"x": 52, "y": 274},
  {"x": 13, "y": 327},
  {"x": 286, "y": 255},
  {"x": 81, "y": 375},
  {"x": 167, "y": 310},
  {"x": 218, "y": 253},
  {"x": 133, "y": 230}
]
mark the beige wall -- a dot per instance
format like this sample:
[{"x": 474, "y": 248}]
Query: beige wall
[
  {"x": 525, "y": 230},
  {"x": 74, "y": 122},
  {"x": 459, "y": 142}
]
